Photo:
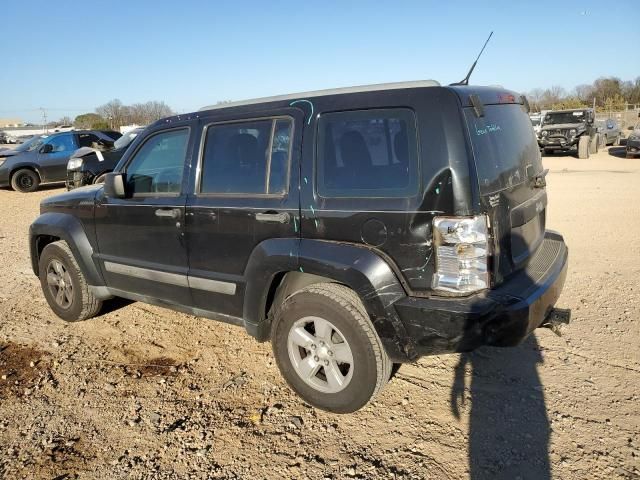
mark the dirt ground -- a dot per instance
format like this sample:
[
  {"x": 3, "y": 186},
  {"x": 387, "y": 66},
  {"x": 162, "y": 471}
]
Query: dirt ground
[{"x": 143, "y": 392}]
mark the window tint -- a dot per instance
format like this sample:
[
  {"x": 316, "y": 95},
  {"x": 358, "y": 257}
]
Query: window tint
[
  {"x": 158, "y": 165},
  {"x": 62, "y": 143},
  {"x": 367, "y": 153},
  {"x": 237, "y": 157}
]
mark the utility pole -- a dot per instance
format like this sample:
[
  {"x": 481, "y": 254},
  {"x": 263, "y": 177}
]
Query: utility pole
[{"x": 44, "y": 120}]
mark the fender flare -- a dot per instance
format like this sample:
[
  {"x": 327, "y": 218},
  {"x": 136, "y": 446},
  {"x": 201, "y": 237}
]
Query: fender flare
[
  {"x": 356, "y": 266},
  {"x": 30, "y": 165},
  {"x": 67, "y": 228}
]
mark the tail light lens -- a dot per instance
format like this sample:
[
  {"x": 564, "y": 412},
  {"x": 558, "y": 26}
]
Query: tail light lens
[{"x": 462, "y": 254}]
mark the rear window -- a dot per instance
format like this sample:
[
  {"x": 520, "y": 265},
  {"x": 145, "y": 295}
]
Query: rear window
[
  {"x": 368, "y": 153},
  {"x": 504, "y": 146}
]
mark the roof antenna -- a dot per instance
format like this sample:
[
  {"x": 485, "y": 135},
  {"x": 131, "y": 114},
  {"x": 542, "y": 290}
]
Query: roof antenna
[{"x": 465, "y": 81}]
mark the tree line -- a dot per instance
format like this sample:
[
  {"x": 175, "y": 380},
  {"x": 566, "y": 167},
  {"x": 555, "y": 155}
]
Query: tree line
[
  {"x": 114, "y": 114},
  {"x": 609, "y": 94}
]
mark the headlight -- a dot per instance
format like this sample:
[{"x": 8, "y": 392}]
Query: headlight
[
  {"x": 573, "y": 131},
  {"x": 544, "y": 133},
  {"x": 462, "y": 252},
  {"x": 74, "y": 163}
]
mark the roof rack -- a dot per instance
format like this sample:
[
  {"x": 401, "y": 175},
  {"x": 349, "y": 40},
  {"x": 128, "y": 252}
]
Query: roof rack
[{"x": 331, "y": 91}]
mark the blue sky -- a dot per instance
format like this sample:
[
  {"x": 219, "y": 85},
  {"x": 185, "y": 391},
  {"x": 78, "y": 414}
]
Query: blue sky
[{"x": 71, "y": 56}]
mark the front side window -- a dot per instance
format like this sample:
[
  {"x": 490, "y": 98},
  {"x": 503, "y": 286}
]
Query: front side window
[
  {"x": 62, "y": 143},
  {"x": 247, "y": 157},
  {"x": 158, "y": 165},
  {"x": 368, "y": 153}
]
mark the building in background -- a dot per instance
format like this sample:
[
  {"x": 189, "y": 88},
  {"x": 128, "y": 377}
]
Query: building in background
[{"x": 11, "y": 122}]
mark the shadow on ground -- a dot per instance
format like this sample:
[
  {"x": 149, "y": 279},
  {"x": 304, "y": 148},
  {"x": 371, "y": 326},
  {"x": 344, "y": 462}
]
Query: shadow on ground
[{"x": 508, "y": 426}]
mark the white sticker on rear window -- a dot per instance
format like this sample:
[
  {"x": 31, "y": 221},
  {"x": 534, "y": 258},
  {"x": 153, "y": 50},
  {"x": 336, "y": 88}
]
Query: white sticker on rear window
[{"x": 578, "y": 114}]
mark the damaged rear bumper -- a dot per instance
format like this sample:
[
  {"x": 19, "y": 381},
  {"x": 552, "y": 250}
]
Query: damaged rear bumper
[{"x": 503, "y": 316}]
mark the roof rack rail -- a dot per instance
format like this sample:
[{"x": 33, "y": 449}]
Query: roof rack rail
[{"x": 332, "y": 91}]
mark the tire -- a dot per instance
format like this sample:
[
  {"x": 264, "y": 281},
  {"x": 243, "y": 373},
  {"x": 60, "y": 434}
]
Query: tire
[
  {"x": 351, "y": 337},
  {"x": 99, "y": 178},
  {"x": 25, "y": 181},
  {"x": 594, "y": 143},
  {"x": 548, "y": 151},
  {"x": 76, "y": 302},
  {"x": 583, "y": 147}
]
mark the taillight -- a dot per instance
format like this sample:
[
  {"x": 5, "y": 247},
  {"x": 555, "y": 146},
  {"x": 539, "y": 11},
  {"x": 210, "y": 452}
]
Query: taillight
[{"x": 462, "y": 254}]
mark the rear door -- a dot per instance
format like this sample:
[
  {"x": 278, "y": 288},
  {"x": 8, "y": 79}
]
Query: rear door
[
  {"x": 53, "y": 164},
  {"x": 507, "y": 160},
  {"x": 246, "y": 191}
]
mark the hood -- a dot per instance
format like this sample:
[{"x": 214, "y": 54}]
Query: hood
[
  {"x": 563, "y": 126},
  {"x": 82, "y": 151},
  {"x": 74, "y": 199},
  {"x": 8, "y": 152}
]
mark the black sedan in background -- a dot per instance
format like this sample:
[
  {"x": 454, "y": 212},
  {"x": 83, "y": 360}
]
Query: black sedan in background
[
  {"x": 89, "y": 165},
  {"x": 44, "y": 160}
]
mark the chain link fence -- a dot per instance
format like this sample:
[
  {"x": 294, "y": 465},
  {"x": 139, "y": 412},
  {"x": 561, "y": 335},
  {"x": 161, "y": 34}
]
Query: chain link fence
[{"x": 626, "y": 118}]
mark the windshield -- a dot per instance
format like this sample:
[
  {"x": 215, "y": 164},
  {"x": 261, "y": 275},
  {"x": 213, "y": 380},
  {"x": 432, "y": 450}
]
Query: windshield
[
  {"x": 126, "y": 139},
  {"x": 565, "y": 117},
  {"x": 505, "y": 147},
  {"x": 31, "y": 144}
]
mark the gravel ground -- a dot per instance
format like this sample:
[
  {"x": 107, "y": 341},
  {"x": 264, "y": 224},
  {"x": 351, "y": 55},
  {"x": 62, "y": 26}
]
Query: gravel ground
[{"x": 143, "y": 392}]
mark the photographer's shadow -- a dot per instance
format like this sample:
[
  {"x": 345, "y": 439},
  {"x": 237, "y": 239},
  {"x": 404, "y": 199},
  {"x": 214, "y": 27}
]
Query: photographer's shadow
[{"x": 508, "y": 426}]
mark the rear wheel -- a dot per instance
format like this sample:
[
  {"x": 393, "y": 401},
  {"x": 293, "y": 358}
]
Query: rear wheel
[
  {"x": 99, "y": 179},
  {"x": 25, "y": 181},
  {"x": 594, "y": 144},
  {"x": 583, "y": 147},
  {"x": 327, "y": 348},
  {"x": 64, "y": 285}
]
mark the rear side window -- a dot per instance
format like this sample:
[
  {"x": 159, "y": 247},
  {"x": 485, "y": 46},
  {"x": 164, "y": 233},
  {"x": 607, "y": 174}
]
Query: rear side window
[
  {"x": 247, "y": 157},
  {"x": 367, "y": 153}
]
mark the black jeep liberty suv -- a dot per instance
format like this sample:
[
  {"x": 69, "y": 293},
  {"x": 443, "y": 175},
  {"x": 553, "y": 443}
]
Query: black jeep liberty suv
[
  {"x": 569, "y": 130},
  {"x": 353, "y": 228}
]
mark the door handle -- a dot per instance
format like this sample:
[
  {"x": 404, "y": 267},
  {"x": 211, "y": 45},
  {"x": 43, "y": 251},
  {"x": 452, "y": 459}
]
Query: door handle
[
  {"x": 273, "y": 217},
  {"x": 168, "y": 212}
]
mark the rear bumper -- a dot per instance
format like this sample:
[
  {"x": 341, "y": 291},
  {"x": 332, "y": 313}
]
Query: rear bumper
[{"x": 503, "y": 316}]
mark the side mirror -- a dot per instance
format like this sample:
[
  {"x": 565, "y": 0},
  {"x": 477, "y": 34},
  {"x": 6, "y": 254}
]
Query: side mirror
[
  {"x": 48, "y": 148},
  {"x": 114, "y": 185}
]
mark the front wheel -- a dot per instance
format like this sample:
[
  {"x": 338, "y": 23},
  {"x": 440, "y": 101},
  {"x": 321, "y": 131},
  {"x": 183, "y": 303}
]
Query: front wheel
[
  {"x": 25, "y": 181},
  {"x": 64, "y": 285},
  {"x": 583, "y": 147},
  {"x": 327, "y": 348}
]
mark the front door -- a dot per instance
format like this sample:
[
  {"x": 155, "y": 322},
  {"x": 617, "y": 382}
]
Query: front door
[
  {"x": 246, "y": 193},
  {"x": 141, "y": 237},
  {"x": 54, "y": 155}
]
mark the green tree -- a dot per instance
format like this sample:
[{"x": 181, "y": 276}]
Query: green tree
[{"x": 91, "y": 121}]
